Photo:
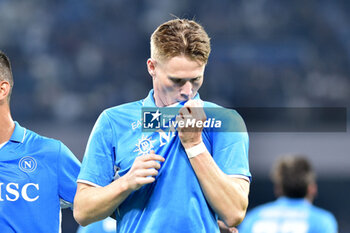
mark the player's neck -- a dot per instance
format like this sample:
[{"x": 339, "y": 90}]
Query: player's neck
[
  {"x": 7, "y": 126},
  {"x": 159, "y": 103}
]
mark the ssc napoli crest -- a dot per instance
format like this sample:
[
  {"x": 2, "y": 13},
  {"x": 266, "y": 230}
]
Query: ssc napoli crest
[{"x": 27, "y": 164}]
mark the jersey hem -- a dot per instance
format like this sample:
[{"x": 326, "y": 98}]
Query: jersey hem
[
  {"x": 88, "y": 182},
  {"x": 240, "y": 177}
]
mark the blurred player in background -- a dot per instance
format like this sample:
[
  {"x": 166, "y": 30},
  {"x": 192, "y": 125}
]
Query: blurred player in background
[
  {"x": 36, "y": 173},
  {"x": 166, "y": 181},
  {"x": 295, "y": 186}
]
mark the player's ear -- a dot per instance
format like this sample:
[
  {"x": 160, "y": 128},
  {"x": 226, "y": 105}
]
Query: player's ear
[
  {"x": 4, "y": 90},
  {"x": 311, "y": 191},
  {"x": 278, "y": 190},
  {"x": 151, "y": 67}
]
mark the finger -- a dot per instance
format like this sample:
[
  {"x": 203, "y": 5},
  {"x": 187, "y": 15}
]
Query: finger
[
  {"x": 153, "y": 156},
  {"x": 200, "y": 103},
  {"x": 146, "y": 172},
  {"x": 178, "y": 120},
  {"x": 145, "y": 180},
  {"x": 195, "y": 108},
  {"x": 151, "y": 172},
  {"x": 190, "y": 103},
  {"x": 184, "y": 111},
  {"x": 194, "y": 103},
  {"x": 145, "y": 157},
  {"x": 199, "y": 113},
  {"x": 151, "y": 164}
]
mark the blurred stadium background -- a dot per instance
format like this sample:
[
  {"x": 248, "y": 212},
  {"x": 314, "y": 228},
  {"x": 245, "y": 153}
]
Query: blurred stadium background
[{"x": 72, "y": 59}]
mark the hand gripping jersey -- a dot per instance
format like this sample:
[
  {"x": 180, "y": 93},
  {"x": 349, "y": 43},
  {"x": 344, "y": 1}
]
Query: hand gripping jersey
[
  {"x": 36, "y": 173},
  {"x": 288, "y": 215},
  {"x": 174, "y": 203}
]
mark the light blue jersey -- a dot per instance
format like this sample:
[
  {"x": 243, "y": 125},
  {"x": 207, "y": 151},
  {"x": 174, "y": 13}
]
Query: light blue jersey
[
  {"x": 174, "y": 203},
  {"x": 289, "y": 215},
  {"x": 36, "y": 173},
  {"x": 107, "y": 225}
]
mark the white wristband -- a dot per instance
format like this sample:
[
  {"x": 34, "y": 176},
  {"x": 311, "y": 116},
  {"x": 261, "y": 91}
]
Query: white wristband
[{"x": 196, "y": 150}]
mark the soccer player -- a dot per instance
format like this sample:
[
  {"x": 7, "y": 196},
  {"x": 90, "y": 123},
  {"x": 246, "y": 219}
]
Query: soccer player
[
  {"x": 166, "y": 181},
  {"x": 295, "y": 186},
  {"x": 37, "y": 173}
]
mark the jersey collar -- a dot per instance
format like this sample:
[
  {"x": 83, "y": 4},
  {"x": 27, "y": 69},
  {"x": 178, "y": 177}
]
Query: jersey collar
[
  {"x": 293, "y": 201},
  {"x": 150, "y": 102},
  {"x": 18, "y": 134}
]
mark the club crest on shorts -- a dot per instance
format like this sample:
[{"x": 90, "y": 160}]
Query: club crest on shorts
[
  {"x": 27, "y": 164},
  {"x": 144, "y": 145}
]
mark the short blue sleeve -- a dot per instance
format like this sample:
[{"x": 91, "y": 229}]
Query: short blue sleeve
[
  {"x": 97, "y": 166},
  {"x": 325, "y": 222},
  {"x": 230, "y": 148},
  {"x": 68, "y": 170}
]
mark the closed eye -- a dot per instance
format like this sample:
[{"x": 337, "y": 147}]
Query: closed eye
[
  {"x": 196, "y": 79},
  {"x": 176, "y": 80},
  {"x": 182, "y": 81}
]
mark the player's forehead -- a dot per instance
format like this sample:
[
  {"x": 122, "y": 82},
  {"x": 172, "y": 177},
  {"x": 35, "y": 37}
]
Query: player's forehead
[
  {"x": 183, "y": 67},
  {"x": 178, "y": 59}
]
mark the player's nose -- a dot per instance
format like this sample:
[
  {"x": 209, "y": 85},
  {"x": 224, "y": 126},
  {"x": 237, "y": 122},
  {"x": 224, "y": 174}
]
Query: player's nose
[{"x": 186, "y": 89}]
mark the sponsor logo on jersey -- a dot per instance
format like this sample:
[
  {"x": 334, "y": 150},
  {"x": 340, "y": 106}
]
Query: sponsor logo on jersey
[{"x": 144, "y": 145}]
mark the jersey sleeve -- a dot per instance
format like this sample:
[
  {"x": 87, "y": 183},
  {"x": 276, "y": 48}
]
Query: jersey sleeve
[
  {"x": 230, "y": 146},
  {"x": 327, "y": 223},
  {"x": 68, "y": 170},
  {"x": 97, "y": 166}
]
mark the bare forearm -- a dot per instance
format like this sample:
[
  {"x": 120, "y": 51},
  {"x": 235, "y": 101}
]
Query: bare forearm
[
  {"x": 227, "y": 196},
  {"x": 95, "y": 203},
  {"x": 92, "y": 204}
]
